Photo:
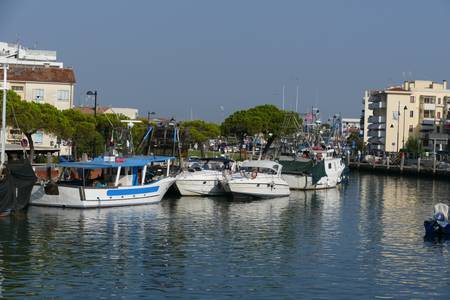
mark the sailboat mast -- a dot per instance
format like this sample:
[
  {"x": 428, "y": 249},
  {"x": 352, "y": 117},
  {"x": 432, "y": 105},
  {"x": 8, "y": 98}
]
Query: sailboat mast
[{"x": 5, "y": 90}]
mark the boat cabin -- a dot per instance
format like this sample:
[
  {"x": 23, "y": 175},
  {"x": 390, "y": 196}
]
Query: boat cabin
[
  {"x": 115, "y": 172},
  {"x": 261, "y": 166}
]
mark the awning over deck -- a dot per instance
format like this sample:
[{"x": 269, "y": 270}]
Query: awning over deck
[{"x": 99, "y": 163}]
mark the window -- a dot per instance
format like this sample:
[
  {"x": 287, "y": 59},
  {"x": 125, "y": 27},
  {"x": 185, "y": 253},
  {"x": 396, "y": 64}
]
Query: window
[
  {"x": 428, "y": 114},
  {"x": 38, "y": 95},
  {"x": 63, "y": 95},
  {"x": 429, "y": 99},
  {"x": 411, "y": 99},
  {"x": 439, "y": 100},
  {"x": 438, "y": 114},
  {"x": 17, "y": 88},
  {"x": 411, "y": 114},
  {"x": 37, "y": 137},
  {"x": 411, "y": 128}
]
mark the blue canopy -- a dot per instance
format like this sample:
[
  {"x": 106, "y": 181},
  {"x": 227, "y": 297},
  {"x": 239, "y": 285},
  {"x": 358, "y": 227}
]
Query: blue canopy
[{"x": 99, "y": 163}]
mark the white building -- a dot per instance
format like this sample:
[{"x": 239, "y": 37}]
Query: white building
[{"x": 35, "y": 75}]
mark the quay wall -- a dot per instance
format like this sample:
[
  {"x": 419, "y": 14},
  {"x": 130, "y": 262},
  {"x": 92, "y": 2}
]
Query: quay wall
[{"x": 401, "y": 170}]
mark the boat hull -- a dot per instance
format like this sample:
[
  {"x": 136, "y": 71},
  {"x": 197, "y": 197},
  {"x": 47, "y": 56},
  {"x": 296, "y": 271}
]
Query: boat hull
[
  {"x": 81, "y": 197},
  {"x": 258, "y": 189},
  {"x": 305, "y": 182},
  {"x": 203, "y": 183}
]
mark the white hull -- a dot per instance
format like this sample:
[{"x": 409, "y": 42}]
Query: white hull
[
  {"x": 82, "y": 197},
  {"x": 265, "y": 187},
  {"x": 334, "y": 168},
  {"x": 203, "y": 183},
  {"x": 303, "y": 182}
]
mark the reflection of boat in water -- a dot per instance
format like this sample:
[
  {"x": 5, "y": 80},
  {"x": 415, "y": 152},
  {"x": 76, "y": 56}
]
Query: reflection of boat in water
[
  {"x": 258, "y": 179},
  {"x": 122, "y": 182},
  {"x": 439, "y": 223}
]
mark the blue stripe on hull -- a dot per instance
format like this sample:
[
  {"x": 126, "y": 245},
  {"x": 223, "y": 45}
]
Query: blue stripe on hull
[{"x": 136, "y": 191}]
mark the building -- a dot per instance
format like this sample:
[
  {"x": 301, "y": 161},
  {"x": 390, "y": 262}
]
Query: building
[
  {"x": 417, "y": 108},
  {"x": 35, "y": 75},
  {"x": 350, "y": 125},
  {"x": 131, "y": 113}
]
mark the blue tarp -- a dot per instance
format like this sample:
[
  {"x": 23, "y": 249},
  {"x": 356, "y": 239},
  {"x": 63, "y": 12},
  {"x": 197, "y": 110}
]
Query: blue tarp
[{"x": 99, "y": 163}]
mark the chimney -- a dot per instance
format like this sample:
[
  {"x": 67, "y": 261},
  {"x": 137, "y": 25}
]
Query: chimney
[
  {"x": 445, "y": 84},
  {"x": 406, "y": 85}
]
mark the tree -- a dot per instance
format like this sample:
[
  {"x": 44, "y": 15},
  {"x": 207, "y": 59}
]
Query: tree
[
  {"x": 31, "y": 117},
  {"x": 80, "y": 131},
  {"x": 266, "y": 119},
  {"x": 354, "y": 136},
  {"x": 413, "y": 145},
  {"x": 198, "y": 131}
]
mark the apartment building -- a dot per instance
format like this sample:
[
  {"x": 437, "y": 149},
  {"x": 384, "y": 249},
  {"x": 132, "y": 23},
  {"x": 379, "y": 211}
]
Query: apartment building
[
  {"x": 35, "y": 75},
  {"x": 417, "y": 108}
]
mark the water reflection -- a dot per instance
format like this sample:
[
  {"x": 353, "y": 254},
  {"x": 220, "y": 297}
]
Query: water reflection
[{"x": 364, "y": 239}]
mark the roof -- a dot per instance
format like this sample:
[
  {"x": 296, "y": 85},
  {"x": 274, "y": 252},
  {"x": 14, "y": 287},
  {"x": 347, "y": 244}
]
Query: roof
[
  {"x": 40, "y": 74},
  {"x": 99, "y": 163},
  {"x": 90, "y": 110},
  {"x": 268, "y": 164}
]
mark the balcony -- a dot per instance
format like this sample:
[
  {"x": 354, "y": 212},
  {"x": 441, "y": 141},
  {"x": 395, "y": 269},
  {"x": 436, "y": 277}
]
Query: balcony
[
  {"x": 377, "y": 133},
  {"x": 377, "y": 105},
  {"x": 377, "y": 126},
  {"x": 377, "y": 119},
  {"x": 428, "y": 106}
]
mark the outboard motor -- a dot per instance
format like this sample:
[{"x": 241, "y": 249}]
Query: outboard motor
[{"x": 438, "y": 225}]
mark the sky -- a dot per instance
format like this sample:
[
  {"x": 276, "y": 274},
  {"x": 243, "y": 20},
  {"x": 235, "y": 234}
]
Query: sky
[{"x": 213, "y": 58}]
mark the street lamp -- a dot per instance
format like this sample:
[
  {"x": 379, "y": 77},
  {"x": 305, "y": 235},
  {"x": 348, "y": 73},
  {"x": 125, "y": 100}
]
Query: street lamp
[
  {"x": 404, "y": 119},
  {"x": 149, "y": 114},
  {"x": 94, "y": 93}
]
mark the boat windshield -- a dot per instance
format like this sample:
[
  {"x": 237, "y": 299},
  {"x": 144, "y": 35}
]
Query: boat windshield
[
  {"x": 111, "y": 177},
  {"x": 259, "y": 170}
]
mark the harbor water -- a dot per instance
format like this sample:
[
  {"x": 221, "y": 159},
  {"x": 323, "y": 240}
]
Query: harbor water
[{"x": 362, "y": 240}]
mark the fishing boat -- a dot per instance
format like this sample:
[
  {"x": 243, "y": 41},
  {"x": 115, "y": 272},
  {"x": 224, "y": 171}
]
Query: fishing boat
[
  {"x": 439, "y": 223},
  {"x": 17, "y": 175},
  {"x": 321, "y": 171},
  {"x": 258, "y": 179},
  {"x": 107, "y": 182},
  {"x": 204, "y": 177}
]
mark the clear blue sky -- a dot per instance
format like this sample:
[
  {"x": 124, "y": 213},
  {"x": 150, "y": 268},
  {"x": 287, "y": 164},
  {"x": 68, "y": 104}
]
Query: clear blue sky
[{"x": 170, "y": 56}]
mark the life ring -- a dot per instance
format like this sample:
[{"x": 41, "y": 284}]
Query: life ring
[{"x": 254, "y": 174}]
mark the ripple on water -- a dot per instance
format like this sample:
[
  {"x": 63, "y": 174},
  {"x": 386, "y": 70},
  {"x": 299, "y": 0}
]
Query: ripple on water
[{"x": 364, "y": 239}]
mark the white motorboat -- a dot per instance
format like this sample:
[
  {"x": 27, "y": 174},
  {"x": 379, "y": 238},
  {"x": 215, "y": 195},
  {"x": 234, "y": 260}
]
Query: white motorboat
[
  {"x": 125, "y": 181},
  {"x": 204, "y": 177},
  {"x": 258, "y": 179}
]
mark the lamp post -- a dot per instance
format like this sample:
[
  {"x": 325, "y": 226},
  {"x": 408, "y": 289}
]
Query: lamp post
[
  {"x": 404, "y": 120},
  {"x": 94, "y": 93},
  {"x": 149, "y": 114}
]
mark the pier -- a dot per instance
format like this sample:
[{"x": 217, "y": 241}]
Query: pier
[{"x": 401, "y": 168}]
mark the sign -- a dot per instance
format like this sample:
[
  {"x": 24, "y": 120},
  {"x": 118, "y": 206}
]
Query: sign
[{"x": 24, "y": 143}]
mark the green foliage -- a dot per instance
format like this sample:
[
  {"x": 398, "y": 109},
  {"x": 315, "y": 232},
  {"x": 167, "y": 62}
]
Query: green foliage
[
  {"x": 198, "y": 131},
  {"x": 413, "y": 145},
  {"x": 266, "y": 119},
  {"x": 354, "y": 136}
]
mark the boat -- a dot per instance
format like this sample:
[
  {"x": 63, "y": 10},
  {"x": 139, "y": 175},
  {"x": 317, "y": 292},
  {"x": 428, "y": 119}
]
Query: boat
[
  {"x": 17, "y": 175},
  {"x": 107, "y": 181},
  {"x": 439, "y": 223},
  {"x": 322, "y": 171},
  {"x": 257, "y": 179},
  {"x": 204, "y": 177}
]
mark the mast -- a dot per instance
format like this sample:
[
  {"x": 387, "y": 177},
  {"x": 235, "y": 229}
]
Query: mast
[
  {"x": 296, "y": 101},
  {"x": 3, "y": 137}
]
